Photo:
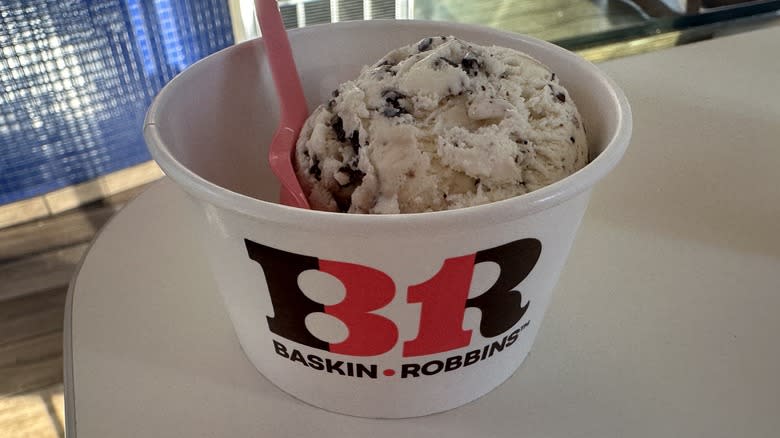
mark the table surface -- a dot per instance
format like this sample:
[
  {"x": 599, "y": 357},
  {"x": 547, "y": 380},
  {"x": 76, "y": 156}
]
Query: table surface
[{"x": 664, "y": 323}]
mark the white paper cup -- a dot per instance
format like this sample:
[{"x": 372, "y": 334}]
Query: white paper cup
[{"x": 372, "y": 315}]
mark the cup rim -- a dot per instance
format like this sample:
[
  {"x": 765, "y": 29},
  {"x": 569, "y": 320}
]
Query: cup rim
[{"x": 495, "y": 212}]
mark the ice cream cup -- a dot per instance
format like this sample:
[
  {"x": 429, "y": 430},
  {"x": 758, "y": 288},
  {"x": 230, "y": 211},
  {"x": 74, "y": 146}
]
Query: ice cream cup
[{"x": 383, "y": 316}]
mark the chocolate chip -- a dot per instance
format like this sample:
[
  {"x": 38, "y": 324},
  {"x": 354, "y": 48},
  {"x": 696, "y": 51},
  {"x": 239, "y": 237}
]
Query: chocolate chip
[
  {"x": 561, "y": 97},
  {"x": 390, "y": 111},
  {"x": 443, "y": 38},
  {"x": 424, "y": 44},
  {"x": 355, "y": 175},
  {"x": 384, "y": 66},
  {"x": 343, "y": 201},
  {"x": 552, "y": 78},
  {"x": 410, "y": 173},
  {"x": 478, "y": 181},
  {"x": 392, "y": 99},
  {"x": 335, "y": 93},
  {"x": 517, "y": 138},
  {"x": 392, "y": 95},
  {"x": 448, "y": 61},
  {"x": 315, "y": 168},
  {"x": 470, "y": 64},
  {"x": 354, "y": 140},
  {"x": 483, "y": 88},
  {"x": 338, "y": 127},
  {"x": 571, "y": 139},
  {"x": 331, "y": 104}
]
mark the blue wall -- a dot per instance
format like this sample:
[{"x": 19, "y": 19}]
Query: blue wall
[{"x": 76, "y": 77}]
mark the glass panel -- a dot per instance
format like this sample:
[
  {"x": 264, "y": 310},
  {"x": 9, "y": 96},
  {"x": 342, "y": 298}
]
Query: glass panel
[
  {"x": 572, "y": 23},
  {"x": 317, "y": 11}
]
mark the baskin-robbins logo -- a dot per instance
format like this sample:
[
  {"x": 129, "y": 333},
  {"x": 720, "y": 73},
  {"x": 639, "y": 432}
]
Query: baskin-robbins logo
[{"x": 443, "y": 301}]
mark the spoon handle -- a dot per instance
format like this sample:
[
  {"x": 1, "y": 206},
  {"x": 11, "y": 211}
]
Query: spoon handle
[
  {"x": 283, "y": 70},
  {"x": 292, "y": 102}
]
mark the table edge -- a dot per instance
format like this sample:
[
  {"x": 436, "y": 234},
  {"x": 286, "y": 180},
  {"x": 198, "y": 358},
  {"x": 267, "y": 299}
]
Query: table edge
[{"x": 67, "y": 330}]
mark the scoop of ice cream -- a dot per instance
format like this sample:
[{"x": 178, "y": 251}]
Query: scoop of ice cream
[{"x": 437, "y": 125}]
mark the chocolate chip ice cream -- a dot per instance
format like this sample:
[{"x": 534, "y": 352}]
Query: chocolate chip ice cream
[{"x": 437, "y": 125}]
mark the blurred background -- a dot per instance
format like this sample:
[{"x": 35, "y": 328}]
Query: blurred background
[{"x": 76, "y": 77}]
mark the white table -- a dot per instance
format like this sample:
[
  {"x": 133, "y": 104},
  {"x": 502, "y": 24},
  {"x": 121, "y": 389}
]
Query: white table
[{"x": 665, "y": 322}]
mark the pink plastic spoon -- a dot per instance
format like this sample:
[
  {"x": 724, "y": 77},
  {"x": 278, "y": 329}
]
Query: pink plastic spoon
[{"x": 291, "y": 99}]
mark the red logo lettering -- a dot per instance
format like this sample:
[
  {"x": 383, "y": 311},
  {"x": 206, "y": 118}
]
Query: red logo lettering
[
  {"x": 367, "y": 290},
  {"x": 443, "y": 300}
]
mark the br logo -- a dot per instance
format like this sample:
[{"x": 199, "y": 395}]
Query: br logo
[{"x": 443, "y": 298}]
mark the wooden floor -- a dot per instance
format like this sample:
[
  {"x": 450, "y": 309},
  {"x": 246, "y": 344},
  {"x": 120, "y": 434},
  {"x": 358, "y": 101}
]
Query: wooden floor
[
  {"x": 37, "y": 260},
  {"x": 36, "y": 414}
]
